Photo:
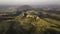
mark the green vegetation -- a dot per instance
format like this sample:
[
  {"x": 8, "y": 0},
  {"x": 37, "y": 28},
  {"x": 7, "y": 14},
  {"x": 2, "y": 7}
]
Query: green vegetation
[{"x": 30, "y": 22}]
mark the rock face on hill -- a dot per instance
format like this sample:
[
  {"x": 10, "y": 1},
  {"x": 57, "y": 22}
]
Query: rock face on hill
[{"x": 32, "y": 24}]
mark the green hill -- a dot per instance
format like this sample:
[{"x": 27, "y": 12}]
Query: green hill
[{"x": 30, "y": 22}]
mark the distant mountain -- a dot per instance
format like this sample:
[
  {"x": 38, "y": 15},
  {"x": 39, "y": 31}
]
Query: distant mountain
[{"x": 25, "y": 7}]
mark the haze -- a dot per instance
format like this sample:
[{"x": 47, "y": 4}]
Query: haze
[{"x": 30, "y": 2}]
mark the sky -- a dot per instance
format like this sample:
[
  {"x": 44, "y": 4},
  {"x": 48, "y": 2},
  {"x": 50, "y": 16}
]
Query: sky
[{"x": 29, "y": 2}]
